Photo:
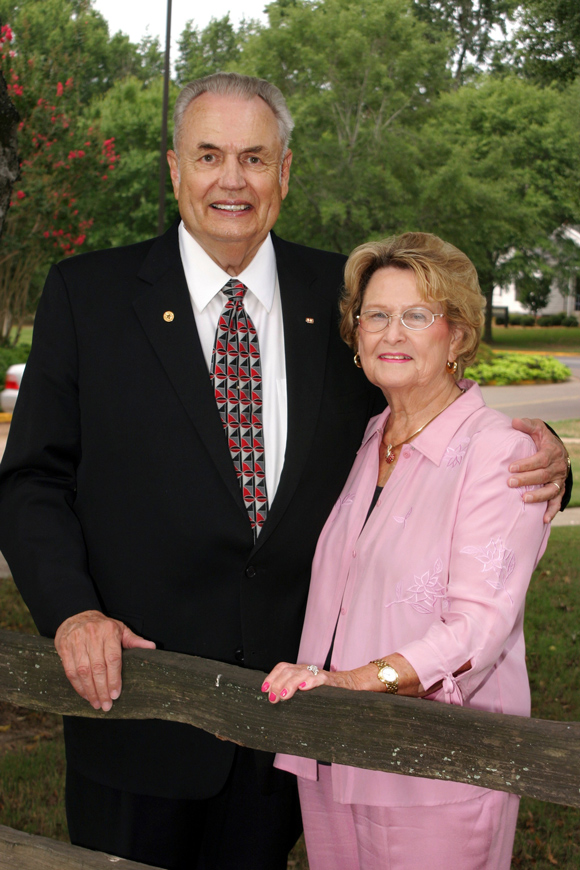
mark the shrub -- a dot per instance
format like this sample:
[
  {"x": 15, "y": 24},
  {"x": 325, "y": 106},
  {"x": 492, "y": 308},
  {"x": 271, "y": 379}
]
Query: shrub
[
  {"x": 513, "y": 368},
  {"x": 570, "y": 321},
  {"x": 518, "y": 320},
  {"x": 552, "y": 319}
]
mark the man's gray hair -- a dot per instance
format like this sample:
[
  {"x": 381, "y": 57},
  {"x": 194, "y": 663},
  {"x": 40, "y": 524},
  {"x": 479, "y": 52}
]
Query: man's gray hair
[{"x": 235, "y": 85}]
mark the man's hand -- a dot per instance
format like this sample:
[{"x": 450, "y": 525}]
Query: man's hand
[
  {"x": 548, "y": 466},
  {"x": 90, "y": 647}
]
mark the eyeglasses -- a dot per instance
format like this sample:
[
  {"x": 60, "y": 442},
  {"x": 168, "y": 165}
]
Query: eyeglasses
[{"x": 375, "y": 320}]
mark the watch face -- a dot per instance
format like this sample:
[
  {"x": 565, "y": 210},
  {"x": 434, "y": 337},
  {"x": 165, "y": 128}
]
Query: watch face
[{"x": 388, "y": 674}]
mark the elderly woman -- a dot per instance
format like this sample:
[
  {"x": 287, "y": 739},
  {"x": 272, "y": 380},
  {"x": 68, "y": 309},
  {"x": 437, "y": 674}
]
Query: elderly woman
[{"x": 421, "y": 570}]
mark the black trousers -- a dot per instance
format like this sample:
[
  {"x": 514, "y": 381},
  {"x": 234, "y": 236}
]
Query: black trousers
[{"x": 239, "y": 829}]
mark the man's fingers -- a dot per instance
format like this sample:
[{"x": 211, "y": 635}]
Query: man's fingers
[
  {"x": 551, "y": 455},
  {"x": 549, "y": 494},
  {"x": 130, "y": 640},
  {"x": 552, "y": 508},
  {"x": 89, "y": 645}
]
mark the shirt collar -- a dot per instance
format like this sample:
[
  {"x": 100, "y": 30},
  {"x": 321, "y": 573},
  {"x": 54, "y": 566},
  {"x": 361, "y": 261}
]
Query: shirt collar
[
  {"x": 205, "y": 278},
  {"x": 435, "y": 438}
]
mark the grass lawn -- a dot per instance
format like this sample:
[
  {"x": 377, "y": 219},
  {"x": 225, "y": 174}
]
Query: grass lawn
[
  {"x": 571, "y": 429},
  {"x": 32, "y": 756},
  {"x": 537, "y": 338},
  {"x": 25, "y": 335}
]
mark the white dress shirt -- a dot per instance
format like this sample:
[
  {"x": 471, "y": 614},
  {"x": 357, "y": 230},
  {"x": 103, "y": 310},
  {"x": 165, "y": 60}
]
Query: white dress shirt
[{"x": 205, "y": 280}]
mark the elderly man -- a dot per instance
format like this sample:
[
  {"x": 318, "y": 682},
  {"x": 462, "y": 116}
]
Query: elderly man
[{"x": 186, "y": 421}]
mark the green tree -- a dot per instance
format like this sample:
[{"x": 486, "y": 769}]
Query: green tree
[
  {"x": 131, "y": 113},
  {"x": 547, "y": 42},
  {"x": 533, "y": 291},
  {"x": 359, "y": 81},
  {"x": 474, "y": 27},
  {"x": 58, "y": 40},
  {"x": 499, "y": 173},
  {"x": 215, "y": 48},
  {"x": 64, "y": 169},
  {"x": 49, "y": 214}
]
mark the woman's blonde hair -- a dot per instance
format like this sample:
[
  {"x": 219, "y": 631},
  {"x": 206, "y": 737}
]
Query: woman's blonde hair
[{"x": 444, "y": 274}]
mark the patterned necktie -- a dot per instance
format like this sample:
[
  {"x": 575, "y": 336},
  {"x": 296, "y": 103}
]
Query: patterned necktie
[{"x": 237, "y": 379}]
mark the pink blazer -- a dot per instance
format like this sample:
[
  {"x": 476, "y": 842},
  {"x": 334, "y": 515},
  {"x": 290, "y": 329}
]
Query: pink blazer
[{"x": 439, "y": 573}]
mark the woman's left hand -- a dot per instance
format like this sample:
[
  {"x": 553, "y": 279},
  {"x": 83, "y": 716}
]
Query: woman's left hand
[{"x": 285, "y": 679}]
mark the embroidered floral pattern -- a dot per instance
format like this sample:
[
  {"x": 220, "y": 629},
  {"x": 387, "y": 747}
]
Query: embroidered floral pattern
[
  {"x": 403, "y": 520},
  {"x": 424, "y": 592},
  {"x": 496, "y": 558},
  {"x": 455, "y": 454},
  {"x": 343, "y": 500}
]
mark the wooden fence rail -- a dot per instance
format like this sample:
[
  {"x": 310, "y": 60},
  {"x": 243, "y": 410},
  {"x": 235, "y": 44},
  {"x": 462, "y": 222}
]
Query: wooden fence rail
[
  {"x": 19, "y": 851},
  {"x": 533, "y": 757}
]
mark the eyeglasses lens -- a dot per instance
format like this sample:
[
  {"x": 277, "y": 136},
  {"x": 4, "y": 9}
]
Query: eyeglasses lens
[{"x": 412, "y": 318}]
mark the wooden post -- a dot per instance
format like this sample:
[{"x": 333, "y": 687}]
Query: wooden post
[
  {"x": 19, "y": 851},
  {"x": 531, "y": 757}
]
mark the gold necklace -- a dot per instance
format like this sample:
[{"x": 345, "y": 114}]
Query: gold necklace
[{"x": 390, "y": 456}]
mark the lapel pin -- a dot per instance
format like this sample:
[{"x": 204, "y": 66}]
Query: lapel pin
[
  {"x": 168, "y": 316},
  {"x": 310, "y": 320}
]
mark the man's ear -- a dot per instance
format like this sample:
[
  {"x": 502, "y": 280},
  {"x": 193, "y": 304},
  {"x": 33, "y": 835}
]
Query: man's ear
[
  {"x": 285, "y": 173},
  {"x": 173, "y": 161}
]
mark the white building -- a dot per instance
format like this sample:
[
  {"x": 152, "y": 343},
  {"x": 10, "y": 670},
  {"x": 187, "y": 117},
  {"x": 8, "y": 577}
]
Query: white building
[{"x": 507, "y": 296}]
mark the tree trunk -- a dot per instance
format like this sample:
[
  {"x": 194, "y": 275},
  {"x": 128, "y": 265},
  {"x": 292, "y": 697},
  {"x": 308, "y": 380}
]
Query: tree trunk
[
  {"x": 9, "y": 168},
  {"x": 487, "y": 290}
]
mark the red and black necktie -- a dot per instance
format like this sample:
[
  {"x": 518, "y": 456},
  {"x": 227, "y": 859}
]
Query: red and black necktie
[{"x": 237, "y": 379}]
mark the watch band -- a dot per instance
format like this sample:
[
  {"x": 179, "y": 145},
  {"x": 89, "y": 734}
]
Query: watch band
[{"x": 390, "y": 680}]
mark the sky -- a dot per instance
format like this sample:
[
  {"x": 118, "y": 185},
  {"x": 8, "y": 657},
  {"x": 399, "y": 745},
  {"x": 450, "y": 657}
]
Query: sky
[{"x": 137, "y": 18}]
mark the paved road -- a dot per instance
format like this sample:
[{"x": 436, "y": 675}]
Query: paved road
[
  {"x": 573, "y": 362},
  {"x": 546, "y": 401}
]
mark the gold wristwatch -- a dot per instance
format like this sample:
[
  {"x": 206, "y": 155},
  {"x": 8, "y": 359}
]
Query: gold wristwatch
[{"x": 387, "y": 675}]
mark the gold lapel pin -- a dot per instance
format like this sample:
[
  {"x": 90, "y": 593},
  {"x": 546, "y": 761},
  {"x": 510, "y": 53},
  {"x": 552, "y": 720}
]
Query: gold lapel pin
[
  {"x": 310, "y": 320},
  {"x": 168, "y": 316}
]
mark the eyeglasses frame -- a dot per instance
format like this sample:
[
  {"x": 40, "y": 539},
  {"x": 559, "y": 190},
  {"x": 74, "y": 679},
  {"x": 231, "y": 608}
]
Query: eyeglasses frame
[{"x": 400, "y": 316}]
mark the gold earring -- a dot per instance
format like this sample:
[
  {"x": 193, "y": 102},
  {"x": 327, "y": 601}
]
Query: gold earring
[
  {"x": 357, "y": 361},
  {"x": 451, "y": 366}
]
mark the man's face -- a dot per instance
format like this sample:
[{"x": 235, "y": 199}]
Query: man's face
[{"x": 229, "y": 177}]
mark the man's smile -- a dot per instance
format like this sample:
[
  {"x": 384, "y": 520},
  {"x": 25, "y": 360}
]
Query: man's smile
[{"x": 232, "y": 207}]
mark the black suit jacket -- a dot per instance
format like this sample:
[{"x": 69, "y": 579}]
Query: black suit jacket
[{"x": 117, "y": 490}]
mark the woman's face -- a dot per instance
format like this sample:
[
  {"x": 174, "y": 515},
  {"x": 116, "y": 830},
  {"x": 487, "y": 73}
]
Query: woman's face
[{"x": 398, "y": 357}]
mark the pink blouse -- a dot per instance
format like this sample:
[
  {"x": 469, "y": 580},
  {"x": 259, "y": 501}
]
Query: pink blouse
[{"x": 439, "y": 573}]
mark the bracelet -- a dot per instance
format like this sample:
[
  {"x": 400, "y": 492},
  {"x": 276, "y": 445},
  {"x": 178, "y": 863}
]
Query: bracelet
[{"x": 569, "y": 469}]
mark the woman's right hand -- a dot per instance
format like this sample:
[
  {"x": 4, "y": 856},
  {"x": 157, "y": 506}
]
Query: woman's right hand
[{"x": 285, "y": 680}]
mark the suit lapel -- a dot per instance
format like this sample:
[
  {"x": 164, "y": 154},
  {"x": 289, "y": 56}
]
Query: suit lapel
[
  {"x": 308, "y": 318},
  {"x": 176, "y": 343}
]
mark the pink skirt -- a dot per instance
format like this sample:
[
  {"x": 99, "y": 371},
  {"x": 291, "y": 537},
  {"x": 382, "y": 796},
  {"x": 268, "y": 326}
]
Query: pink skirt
[{"x": 470, "y": 835}]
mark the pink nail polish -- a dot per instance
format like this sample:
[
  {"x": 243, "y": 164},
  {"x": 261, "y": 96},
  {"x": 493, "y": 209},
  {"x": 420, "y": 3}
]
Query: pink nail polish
[
  {"x": 265, "y": 687},
  {"x": 283, "y": 693},
  {"x": 302, "y": 685},
  {"x": 271, "y": 696}
]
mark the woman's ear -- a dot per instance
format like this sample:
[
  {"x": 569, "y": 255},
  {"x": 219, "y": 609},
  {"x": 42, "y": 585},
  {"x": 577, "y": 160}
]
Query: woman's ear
[{"x": 456, "y": 343}]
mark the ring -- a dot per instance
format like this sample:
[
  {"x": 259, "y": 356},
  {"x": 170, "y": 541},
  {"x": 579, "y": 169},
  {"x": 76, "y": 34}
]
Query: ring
[
  {"x": 557, "y": 485},
  {"x": 312, "y": 668}
]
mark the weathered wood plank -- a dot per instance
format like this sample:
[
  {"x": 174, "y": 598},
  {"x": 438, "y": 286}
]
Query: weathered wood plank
[
  {"x": 533, "y": 757},
  {"x": 19, "y": 851}
]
